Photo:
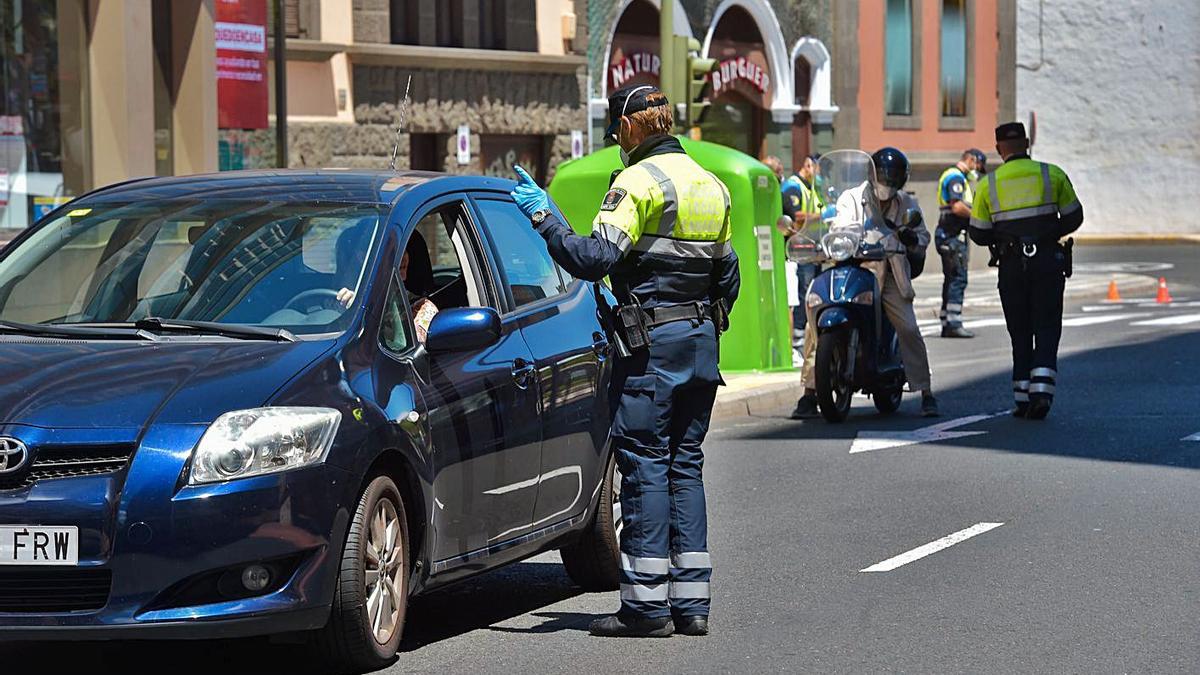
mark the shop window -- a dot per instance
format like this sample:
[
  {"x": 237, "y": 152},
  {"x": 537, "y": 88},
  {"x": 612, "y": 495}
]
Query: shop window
[
  {"x": 499, "y": 152},
  {"x": 898, "y": 70},
  {"x": 43, "y": 135},
  {"x": 426, "y": 152},
  {"x": 954, "y": 65}
]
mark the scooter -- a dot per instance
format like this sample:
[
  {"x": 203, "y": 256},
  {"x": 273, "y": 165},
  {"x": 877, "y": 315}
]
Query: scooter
[{"x": 857, "y": 347}]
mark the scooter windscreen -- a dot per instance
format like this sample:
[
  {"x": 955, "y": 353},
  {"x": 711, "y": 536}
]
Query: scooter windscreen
[{"x": 853, "y": 221}]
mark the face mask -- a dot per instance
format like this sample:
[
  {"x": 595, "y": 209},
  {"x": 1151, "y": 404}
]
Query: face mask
[
  {"x": 973, "y": 175},
  {"x": 624, "y": 158},
  {"x": 884, "y": 192}
]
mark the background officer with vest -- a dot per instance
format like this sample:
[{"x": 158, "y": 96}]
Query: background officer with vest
[
  {"x": 1021, "y": 210},
  {"x": 663, "y": 238},
  {"x": 950, "y": 238}
]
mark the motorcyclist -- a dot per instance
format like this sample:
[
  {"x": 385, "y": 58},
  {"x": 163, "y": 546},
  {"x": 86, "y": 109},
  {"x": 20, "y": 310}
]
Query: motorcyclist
[{"x": 894, "y": 273}]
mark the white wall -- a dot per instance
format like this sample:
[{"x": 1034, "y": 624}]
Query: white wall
[{"x": 1116, "y": 89}]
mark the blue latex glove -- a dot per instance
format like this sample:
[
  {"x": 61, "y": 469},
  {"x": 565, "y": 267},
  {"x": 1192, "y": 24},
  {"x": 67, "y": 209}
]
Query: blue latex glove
[
  {"x": 529, "y": 197},
  {"x": 829, "y": 213}
]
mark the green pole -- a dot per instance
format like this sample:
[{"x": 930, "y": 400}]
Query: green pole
[{"x": 667, "y": 77}]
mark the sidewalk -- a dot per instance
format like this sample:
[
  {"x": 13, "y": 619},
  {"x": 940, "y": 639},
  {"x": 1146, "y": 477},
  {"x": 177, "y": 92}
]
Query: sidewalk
[{"x": 750, "y": 394}]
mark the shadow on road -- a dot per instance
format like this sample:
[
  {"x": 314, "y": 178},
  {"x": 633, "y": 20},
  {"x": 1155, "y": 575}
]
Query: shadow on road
[
  {"x": 473, "y": 605},
  {"x": 1127, "y": 403}
]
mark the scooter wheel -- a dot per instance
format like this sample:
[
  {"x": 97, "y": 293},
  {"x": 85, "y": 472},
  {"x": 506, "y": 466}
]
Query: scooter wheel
[
  {"x": 834, "y": 390},
  {"x": 887, "y": 402}
]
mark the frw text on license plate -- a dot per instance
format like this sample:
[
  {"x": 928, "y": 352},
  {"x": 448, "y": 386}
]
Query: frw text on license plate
[{"x": 38, "y": 545}]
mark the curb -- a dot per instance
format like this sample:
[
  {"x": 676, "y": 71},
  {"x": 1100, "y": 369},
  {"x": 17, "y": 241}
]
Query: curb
[
  {"x": 1116, "y": 239},
  {"x": 757, "y": 401}
]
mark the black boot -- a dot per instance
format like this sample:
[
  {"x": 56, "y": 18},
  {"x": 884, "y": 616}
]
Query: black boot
[
  {"x": 1039, "y": 407},
  {"x": 806, "y": 408},
  {"x": 929, "y": 405},
  {"x": 956, "y": 332},
  {"x": 1022, "y": 409},
  {"x": 691, "y": 625},
  {"x": 620, "y": 625}
]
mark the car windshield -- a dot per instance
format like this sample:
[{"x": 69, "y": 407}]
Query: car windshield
[{"x": 294, "y": 266}]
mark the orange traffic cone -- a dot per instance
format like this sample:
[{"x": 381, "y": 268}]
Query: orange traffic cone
[
  {"x": 1113, "y": 294},
  {"x": 1164, "y": 296}
]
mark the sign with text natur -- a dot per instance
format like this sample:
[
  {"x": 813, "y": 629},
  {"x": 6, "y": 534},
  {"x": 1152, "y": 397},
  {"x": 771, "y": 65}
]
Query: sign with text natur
[{"x": 241, "y": 37}]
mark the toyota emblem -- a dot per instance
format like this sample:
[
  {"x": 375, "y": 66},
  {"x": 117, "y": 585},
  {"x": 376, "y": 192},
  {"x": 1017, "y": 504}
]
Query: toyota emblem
[{"x": 13, "y": 455}]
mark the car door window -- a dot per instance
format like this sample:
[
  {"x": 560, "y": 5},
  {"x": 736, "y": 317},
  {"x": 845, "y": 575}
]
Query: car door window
[{"x": 530, "y": 272}]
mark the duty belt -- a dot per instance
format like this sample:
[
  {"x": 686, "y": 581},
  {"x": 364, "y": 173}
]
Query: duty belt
[{"x": 693, "y": 311}]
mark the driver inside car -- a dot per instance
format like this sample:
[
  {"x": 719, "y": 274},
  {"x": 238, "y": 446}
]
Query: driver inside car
[
  {"x": 894, "y": 274},
  {"x": 416, "y": 273}
]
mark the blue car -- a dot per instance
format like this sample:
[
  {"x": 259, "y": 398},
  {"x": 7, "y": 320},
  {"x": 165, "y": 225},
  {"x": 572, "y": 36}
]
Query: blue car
[{"x": 288, "y": 401}]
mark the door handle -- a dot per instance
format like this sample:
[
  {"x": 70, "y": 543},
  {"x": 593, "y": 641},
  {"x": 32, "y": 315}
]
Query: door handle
[
  {"x": 600, "y": 345},
  {"x": 522, "y": 372}
]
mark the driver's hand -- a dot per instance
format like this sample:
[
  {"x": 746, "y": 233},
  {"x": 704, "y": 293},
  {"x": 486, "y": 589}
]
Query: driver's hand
[
  {"x": 907, "y": 236},
  {"x": 345, "y": 297}
]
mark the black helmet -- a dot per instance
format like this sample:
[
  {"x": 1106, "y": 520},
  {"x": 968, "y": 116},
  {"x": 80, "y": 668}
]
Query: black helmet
[{"x": 891, "y": 167}]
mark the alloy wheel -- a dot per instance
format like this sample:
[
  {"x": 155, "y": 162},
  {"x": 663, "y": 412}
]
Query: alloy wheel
[{"x": 384, "y": 578}]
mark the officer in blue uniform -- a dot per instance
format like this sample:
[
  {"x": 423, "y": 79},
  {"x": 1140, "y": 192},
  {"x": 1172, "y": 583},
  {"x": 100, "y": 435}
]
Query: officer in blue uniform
[
  {"x": 662, "y": 236},
  {"x": 954, "y": 212}
]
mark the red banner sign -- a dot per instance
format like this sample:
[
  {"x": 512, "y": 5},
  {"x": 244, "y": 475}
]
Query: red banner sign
[{"x": 241, "y": 37}]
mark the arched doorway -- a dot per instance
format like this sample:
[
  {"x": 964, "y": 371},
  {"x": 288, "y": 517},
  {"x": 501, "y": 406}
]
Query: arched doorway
[
  {"x": 633, "y": 55},
  {"x": 812, "y": 86},
  {"x": 743, "y": 85}
]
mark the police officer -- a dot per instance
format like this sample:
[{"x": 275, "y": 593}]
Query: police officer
[
  {"x": 950, "y": 238},
  {"x": 1021, "y": 210},
  {"x": 663, "y": 238}
]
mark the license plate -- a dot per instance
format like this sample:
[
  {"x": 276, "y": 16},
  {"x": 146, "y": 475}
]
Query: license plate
[{"x": 35, "y": 545}]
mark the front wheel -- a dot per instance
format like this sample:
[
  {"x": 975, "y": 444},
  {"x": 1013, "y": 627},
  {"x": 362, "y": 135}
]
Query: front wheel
[
  {"x": 593, "y": 561},
  {"x": 371, "y": 596},
  {"x": 834, "y": 387}
]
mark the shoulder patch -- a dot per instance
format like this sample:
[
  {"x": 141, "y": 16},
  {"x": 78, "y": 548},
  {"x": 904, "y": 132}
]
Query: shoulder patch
[
  {"x": 956, "y": 187},
  {"x": 612, "y": 199}
]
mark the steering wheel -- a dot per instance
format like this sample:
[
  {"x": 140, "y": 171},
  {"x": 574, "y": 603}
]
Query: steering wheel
[{"x": 324, "y": 293}]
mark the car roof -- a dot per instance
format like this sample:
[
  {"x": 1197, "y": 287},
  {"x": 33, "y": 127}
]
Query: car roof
[{"x": 294, "y": 185}]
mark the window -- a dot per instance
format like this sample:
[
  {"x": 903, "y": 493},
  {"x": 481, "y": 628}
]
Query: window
[
  {"x": 531, "y": 273},
  {"x": 452, "y": 278},
  {"x": 954, "y": 58},
  {"x": 474, "y": 24},
  {"x": 393, "y": 329},
  {"x": 898, "y": 69}
]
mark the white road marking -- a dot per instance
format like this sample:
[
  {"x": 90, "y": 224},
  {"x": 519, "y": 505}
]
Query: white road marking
[
  {"x": 1142, "y": 304},
  {"x": 931, "y": 548},
  {"x": 868, "y": 441},
  {"x": 1193, "y": 437},
  {"x": 1101, "y": 318},
  {"x": 1169, "y": 320}
]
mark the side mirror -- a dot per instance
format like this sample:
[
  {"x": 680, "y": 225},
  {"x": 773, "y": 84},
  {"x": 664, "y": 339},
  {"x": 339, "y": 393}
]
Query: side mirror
[{"x": 463, "y": 329}]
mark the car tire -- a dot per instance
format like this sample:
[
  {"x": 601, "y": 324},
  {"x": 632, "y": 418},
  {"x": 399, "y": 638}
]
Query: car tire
[
  {"x": 593, "y": 561},
  {"x": 356, "y": 637}
]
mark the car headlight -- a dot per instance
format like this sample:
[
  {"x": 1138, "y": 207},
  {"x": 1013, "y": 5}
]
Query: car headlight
[
  {"x": 244, "y": 443},
  {"x": 864, "y": 298},
  {"x": 840, "y": 246}
]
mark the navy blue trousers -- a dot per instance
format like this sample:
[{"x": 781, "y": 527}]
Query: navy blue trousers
[
  {"x": 666, "y": 395},
  {"x": 1031, "y": 293},
  {"x": 955, "y": 253}
]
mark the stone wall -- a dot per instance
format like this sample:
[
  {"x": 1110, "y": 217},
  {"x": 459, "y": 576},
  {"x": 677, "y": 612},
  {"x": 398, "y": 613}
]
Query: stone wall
[{"x": 1116, "y": 89}]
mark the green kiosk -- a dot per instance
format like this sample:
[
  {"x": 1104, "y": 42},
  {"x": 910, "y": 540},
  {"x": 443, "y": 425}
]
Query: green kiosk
[{"x": 759, "y": 334}]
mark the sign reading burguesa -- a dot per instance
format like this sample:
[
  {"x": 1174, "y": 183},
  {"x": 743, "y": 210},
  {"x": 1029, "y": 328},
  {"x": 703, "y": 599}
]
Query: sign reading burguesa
[{"x": 241, "y": 39}]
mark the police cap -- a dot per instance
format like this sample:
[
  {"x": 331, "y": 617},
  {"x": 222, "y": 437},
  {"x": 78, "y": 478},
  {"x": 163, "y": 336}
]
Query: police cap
[
  {"x": 1011, "y": 131},
  {"x": 629, "y": 100}
]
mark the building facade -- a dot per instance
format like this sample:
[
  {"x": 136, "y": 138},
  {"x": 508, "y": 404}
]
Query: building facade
[
  {"x": 1115, "y": 91},
  {"x": 931, "y": 77},
  {"x": 771, "y": 93}
]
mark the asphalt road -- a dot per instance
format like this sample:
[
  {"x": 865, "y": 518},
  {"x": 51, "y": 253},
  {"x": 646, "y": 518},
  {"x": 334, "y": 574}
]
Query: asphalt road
[{"x": 1094, "y": 568}]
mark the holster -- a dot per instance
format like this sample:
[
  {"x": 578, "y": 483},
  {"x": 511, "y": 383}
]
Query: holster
[
  {"x": 1068, "y": 257},
  {"x": 719, "y": 311},
  {"x": 632, "y": 326}
]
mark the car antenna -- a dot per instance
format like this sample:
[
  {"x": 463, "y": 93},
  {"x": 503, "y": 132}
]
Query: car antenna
[{"x": 400, "y": 126}]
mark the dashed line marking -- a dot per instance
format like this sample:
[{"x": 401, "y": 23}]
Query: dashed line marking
[
  {"x": 1169, "y": 320},
  {"x": 931, "y": 548}
]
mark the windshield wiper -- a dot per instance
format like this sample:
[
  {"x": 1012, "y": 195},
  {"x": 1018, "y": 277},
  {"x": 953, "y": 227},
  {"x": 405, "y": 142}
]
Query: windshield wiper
[
  {"x": 232, "y": 330},
  {"x": 72, "y": 332}
]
